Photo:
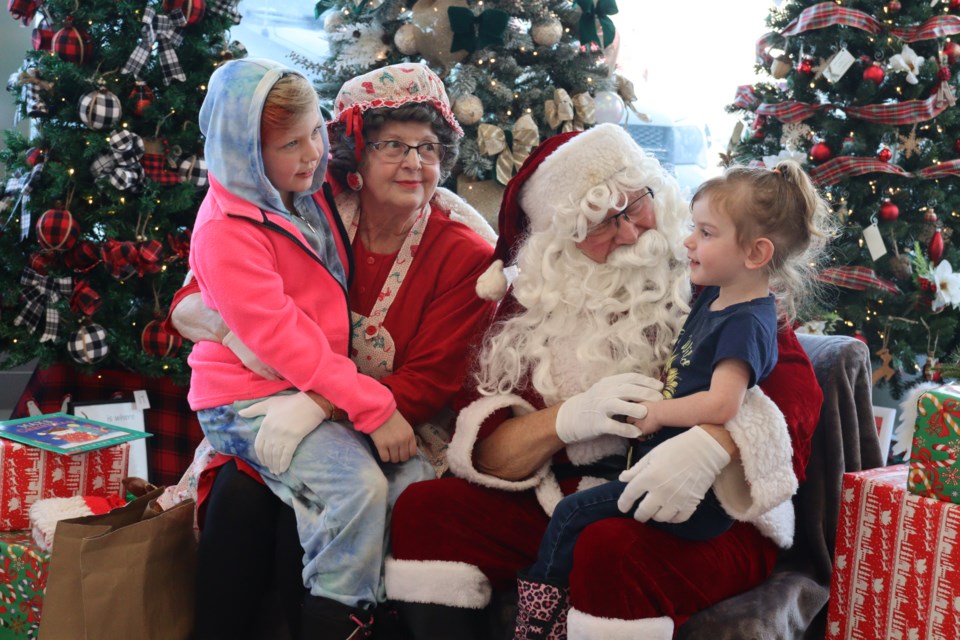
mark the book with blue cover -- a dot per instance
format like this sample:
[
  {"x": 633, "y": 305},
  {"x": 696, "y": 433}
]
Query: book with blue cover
[{"x": 66, "y": 434}]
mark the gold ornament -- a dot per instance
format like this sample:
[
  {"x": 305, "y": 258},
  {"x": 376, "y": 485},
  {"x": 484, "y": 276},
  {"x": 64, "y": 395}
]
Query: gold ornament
[
  {"x": 434, "y": 35},
  {"x": 468, "y": 109},
  {"x": 781, "y": 66}
]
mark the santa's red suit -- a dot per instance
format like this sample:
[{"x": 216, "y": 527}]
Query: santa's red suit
[{"x": 456, "y": 539}]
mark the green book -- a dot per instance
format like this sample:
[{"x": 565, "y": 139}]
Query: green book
[{"x": 64, "y": 433}]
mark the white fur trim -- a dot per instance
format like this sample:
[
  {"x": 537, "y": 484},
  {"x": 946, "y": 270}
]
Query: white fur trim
[
  {"x": 460, "y": 452},
  {"x": 574, "y": 168},
  {"x": 454, "y": 584},
  {"x": 903, "y": 434},
  {"x": 492, "y": 283},
  {"x": 589, "y": 482},
  {"x": 583, "y": 626},
  {"x": 45, "y": 513},
  {"x": 461, "y": 211},
  {"x": 764, "y": 478},
  {"x": 549, "y": 493},
  {"x": 778, "y": 524},
  {"x": 596, "y": 449}
]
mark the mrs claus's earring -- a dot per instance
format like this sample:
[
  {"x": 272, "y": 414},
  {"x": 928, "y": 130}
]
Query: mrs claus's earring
[{"x": 355, "y": 181}]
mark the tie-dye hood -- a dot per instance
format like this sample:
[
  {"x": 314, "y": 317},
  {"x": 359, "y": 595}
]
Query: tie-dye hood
[{"x": 230, "y": 121}]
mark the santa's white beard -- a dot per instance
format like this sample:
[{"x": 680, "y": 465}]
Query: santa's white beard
[{"x": 585, "y": 320}]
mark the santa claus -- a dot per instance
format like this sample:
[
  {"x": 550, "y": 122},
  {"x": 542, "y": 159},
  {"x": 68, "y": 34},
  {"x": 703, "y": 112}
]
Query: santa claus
[{"x": 598, "y": 294}]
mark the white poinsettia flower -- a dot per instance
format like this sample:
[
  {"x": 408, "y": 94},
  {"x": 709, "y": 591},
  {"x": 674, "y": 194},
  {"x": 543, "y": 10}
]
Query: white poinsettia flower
[
  {"x": 907, "y": 61},
  {"x": 948, "y": 286}
]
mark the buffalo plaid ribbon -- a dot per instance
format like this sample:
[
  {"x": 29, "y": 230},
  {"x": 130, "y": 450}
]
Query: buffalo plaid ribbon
[
  {"x": 84, "y": 300},
  {"x": 856, "y": 278},
  {"x": 40, "y": 292},
  {"x": 32, "y": 87},
  {"x": 155, "y": 167},
  {"x": 164, "y": 30},
  {"x": 121, "y": 165},
  {"x": 746, "y": 97},
  {"x": 226, "y": 8},
  {"x": 818, "y": 16},
  {"x": 938, "y": 27}
]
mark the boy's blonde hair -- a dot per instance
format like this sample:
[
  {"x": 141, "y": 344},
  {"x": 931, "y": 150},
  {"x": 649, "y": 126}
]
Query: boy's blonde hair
[
  {"x": 289, "y": 99},
  {"x": 784, "y": 206}
]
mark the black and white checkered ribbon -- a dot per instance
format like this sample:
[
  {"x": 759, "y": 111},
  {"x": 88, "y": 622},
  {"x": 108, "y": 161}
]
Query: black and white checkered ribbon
[
  {"x": 31, "y": 91},
  {"x": 19, "y": 186},
  {"x": 121, "y": 166},
  {"x": 164, "y": 30},
  {"x": 226, "y": 8},
  {"x": 40, "y": 293}
]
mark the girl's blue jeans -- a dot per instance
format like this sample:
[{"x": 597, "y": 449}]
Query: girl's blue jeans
[
  {"x": 342, "y": 496},
  {"x": 576, "y": 512}
]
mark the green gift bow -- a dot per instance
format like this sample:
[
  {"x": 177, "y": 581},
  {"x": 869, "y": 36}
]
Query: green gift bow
[
  {"x": 589, "y": 16},
  {"x": 476, "y": 32}
]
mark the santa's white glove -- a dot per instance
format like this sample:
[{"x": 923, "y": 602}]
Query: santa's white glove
[
  {"x": 590, "y": 414},
  {"x": 675, "y": 476},
  {"x": 287, "y": 420},
  {"x": 248, "y": 358}
]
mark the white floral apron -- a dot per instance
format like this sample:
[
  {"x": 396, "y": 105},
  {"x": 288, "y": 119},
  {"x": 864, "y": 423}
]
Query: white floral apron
[{"x": 372, "y": 344}]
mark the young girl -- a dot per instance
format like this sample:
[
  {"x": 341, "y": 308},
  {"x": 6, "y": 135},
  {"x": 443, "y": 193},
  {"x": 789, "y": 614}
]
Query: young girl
[
  {"x": 268, "y": 254},
  {"x": 754, "y": 230}
]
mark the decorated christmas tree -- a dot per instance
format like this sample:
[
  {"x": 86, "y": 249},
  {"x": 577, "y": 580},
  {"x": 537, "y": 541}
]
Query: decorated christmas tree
[
  {"x": 862, "y": 93},
  {"x": 516, "y": 71},
  {"x": 100, "y": 198}
]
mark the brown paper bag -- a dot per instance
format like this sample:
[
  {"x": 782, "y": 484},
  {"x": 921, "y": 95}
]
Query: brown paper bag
[{"x": 128, "y": 573}]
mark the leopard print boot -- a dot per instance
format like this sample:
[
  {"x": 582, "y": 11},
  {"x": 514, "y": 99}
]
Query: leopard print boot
[{"x": 541, "y": 611}]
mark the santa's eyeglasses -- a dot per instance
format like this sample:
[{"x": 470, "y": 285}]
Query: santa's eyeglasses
[{"x": 632, "y": 213}]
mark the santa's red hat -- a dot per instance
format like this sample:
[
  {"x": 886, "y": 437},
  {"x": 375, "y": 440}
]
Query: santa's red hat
[{"x": 562, "y": 169}]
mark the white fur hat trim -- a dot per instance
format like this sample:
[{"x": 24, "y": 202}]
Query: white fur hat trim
[{"x": 578, "y": 165}]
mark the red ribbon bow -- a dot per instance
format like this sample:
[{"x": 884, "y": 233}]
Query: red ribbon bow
[{"x": 354, "y": 121}]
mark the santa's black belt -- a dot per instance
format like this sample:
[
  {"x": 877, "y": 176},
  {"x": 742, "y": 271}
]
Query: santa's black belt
[{"x": 608, "y": 468}]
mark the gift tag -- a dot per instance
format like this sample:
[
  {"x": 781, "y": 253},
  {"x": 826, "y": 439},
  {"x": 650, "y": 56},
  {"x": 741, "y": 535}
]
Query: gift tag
[
  {"x": 874, "y": 241},
  {"x": 838, "y": 65},
  {"x": 140, "y": 399}
]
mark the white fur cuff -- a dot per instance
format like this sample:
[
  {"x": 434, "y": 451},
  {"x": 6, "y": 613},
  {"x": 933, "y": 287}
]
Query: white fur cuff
[
  {"x": 454, "y": 584},
  {"x": 583, "y": 626},
  {"x": 460, "y": 452},
  {"x": 764, "y": 478}
]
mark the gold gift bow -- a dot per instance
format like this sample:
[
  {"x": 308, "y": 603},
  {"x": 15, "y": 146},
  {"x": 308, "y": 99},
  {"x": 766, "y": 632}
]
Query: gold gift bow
[
  {"x": 492, "y": 141},
  {"x": 572, "y": 114}
]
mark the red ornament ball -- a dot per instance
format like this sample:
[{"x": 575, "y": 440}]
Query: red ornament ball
[
  {"x": 35, "y": 156},
  {"x": 884, "y": 155},
  {"x": 141, "y": 97},
  {"x": 874, "y": 73},
  {"x": 930, "y": 216},
  {"x": 57, "y": 230},
  {"x": 805, "y": 66},
  {"x": 820, "y": 152},
  {"x": 859, "y": 336},
  {"x": 157, "y": 341},
  {"x": 955, "y": 4},
  {"x": 73, "y": 44},
  {"x": 889, "y": 211},
  {"x": 84, "y": 256},
  {"x": 952, "y": 51},
  {"x": 894, "y": 6},
  {"x": 192, "y": 9}
]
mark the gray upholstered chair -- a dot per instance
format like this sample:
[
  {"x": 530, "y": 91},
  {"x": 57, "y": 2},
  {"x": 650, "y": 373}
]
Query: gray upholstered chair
[{"x": 792, "y": 603}]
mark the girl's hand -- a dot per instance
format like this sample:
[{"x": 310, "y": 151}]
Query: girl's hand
[
  {"x": 395, "y": 440},
  {"x": 648, "y": 424}
]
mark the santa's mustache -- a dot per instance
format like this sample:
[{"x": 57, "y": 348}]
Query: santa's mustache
[{"x": 650, "y": 250}]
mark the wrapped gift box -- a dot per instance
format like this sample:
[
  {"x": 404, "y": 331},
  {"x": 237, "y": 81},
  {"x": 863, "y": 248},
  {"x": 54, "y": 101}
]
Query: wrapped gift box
[
  {"x": 29, "y": 474},
  {"x": 896, "y": 570},
  {"x": 934, "y": 471},
  {"x": 23, "y": 577}
]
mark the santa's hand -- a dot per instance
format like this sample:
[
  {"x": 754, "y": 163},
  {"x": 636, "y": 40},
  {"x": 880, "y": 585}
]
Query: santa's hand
[
  {"x": 247, "y": 357},
  {"x": 674, "y": 476},
  {"x": 591, "y": 413},
  {"x": 394, "y": 439},
  {"x": 287, "y": 420}
]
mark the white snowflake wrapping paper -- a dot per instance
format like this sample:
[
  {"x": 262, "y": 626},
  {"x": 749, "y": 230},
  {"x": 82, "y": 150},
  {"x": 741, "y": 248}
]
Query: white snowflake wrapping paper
[{"x": 896, "y": 573}]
